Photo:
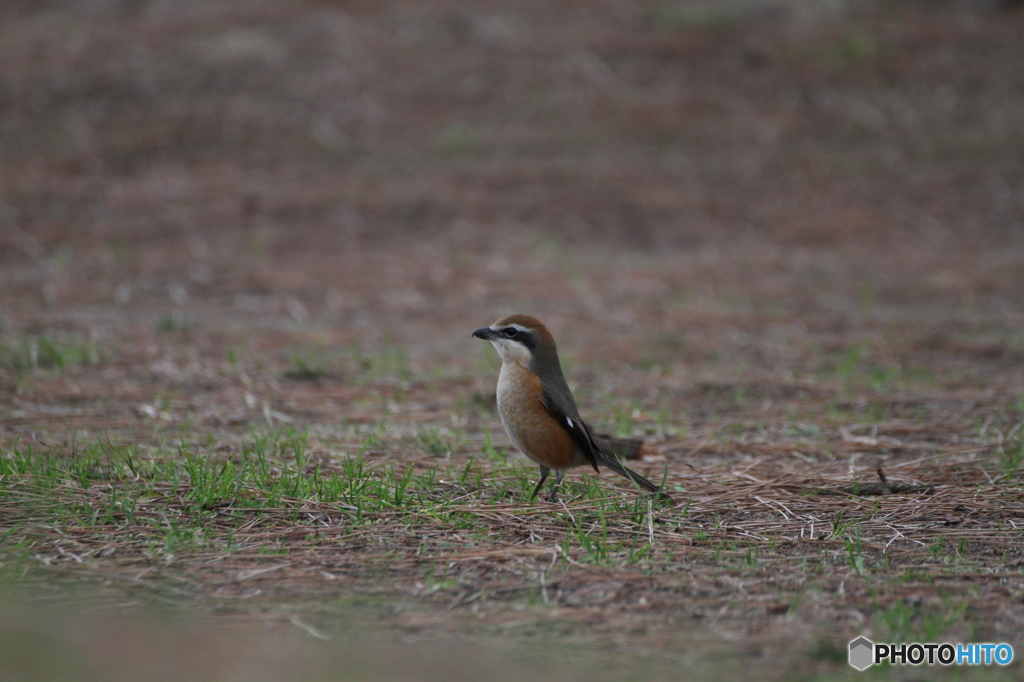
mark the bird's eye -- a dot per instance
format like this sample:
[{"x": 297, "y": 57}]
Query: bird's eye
[{"x": 510, "y": 332}]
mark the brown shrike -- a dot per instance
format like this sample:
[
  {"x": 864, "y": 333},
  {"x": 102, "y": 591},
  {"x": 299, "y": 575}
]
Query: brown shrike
[{"x": 537, "y": 408}]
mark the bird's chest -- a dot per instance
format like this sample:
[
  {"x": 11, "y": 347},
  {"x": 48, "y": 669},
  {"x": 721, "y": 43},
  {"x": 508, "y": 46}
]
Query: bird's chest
[
  {"x": 527, "y": 422},
  {"x": 519, "y": 397}
]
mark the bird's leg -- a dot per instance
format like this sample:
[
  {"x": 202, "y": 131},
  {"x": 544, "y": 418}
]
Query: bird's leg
[
  {"x": 544, "y": 471},
  {"x": 558, "y": 481}
]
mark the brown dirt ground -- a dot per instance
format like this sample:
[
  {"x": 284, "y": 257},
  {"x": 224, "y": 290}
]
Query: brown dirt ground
[{"x": 780, "y": 239}]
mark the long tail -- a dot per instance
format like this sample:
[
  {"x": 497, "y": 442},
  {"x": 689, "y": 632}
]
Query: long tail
[{"x": 613, "y": 464}]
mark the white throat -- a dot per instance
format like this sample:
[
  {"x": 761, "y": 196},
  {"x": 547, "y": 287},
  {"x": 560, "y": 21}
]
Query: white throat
[{"x": 512, "y": 352}]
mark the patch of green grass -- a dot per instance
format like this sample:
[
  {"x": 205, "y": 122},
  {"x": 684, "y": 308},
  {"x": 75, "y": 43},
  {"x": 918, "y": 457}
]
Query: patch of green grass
[
  {"x": 848, "y": 361},
  {"x": 174, "y": 322},
  {"x": 856, "y": 370},
  {"x": 171, "y": 503},
  {"x": 840, "y": 524},
  {"x": 104, "y": 484},
  {"x": 435, "y": 441},
  {"x": 389, "y": 360},
  {"x": 911, "y": 621},
  {"x": 31, "y": 352},
  {"x": 852, "y": 50},
  {"x": 830, "y": 651},
  {"x": 310, "y": 363},
  {"x": 625, "y": 421},
  {"x": 855, "y": 552},
  {"x": 303, "y": 367},
  {"x": 938, "y": 620},
  {"x": 592, "y": 538},
  {"x": 1010, "y": 456},
  {"x": 497, "y": 455},
  {"x": 459, "y": 139},
  {"x": 686, "y": 17}
]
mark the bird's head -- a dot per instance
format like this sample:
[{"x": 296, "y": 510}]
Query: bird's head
[{"x": 522, "y": 339}]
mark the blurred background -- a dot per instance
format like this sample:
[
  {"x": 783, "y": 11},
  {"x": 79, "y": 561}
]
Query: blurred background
[{"x": 412, "y": 166}]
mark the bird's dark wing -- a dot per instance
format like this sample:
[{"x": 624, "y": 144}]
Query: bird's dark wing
[
  {"x": 584, "y": 439},
  {"x": 575, "y": 427}
]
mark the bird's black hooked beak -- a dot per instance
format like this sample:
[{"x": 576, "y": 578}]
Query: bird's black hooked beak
[{"x": 485, "y": 333}]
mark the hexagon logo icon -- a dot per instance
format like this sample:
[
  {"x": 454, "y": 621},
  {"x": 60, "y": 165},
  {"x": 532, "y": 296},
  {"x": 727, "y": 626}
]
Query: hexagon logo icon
[{"x": 862, "y": 652}]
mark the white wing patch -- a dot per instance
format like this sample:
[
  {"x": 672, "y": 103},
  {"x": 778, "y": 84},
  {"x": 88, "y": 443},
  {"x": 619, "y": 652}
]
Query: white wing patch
[{"x": 569, "y": 422}]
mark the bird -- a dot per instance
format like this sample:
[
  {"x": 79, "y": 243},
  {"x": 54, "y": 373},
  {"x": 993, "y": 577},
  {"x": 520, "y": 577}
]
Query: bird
[{"x": 537, "y": 408}]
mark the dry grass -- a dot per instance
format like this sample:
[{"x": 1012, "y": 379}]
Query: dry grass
[{"x": 755, "y": 552}]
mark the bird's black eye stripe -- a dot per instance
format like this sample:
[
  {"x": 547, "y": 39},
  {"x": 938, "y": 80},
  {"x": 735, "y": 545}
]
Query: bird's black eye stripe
[{"x": 523, "y": 336}]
